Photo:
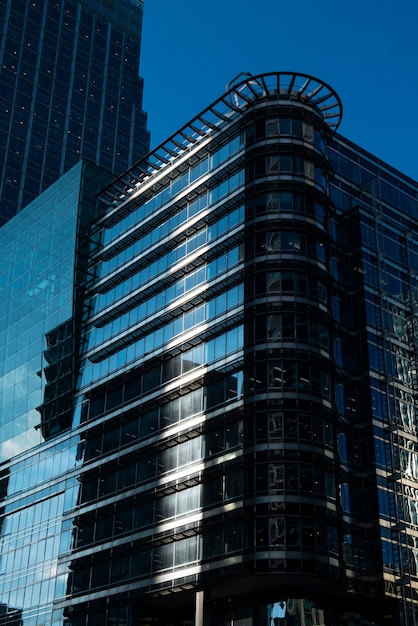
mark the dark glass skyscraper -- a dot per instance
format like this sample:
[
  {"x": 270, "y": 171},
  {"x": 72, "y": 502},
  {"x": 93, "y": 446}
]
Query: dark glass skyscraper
[
  {"x": 69, "y": 89},
  {"x": 222, "y": 428}
]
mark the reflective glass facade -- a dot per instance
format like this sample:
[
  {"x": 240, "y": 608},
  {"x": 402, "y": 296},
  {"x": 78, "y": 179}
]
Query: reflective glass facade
[
  {"x": 237, "y": 444},
  {"x": 69, "y": 89},
  {"x": 43, "y": 269}
]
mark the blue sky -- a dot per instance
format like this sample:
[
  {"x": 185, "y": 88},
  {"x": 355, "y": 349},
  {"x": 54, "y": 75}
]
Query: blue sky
[{"x": 367, "y": 50}]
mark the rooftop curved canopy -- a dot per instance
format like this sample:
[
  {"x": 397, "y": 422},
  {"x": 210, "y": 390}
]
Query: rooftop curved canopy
[{"x": 287, "y": 85}]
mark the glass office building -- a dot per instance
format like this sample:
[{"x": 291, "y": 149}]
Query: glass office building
[
  {"x": 43, "y": 266},
  {"x": 69, "y": 89},
  {"x": 239, "y": 443}
]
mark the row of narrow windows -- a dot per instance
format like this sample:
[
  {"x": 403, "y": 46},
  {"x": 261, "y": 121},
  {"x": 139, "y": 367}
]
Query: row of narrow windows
[
  {"x": 277, "y": 533},
  {"x": 130, "y": 350}
]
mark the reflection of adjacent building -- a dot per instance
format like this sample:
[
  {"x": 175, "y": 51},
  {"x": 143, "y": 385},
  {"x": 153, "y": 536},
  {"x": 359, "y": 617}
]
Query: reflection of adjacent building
[
  {"x": 10, "y": 616},
  {"x": 60, "y": 375},
  {"x": 379, "y": 456},
  {"x": 402, "y": 340},
  {"x": 295, "y": 612}
]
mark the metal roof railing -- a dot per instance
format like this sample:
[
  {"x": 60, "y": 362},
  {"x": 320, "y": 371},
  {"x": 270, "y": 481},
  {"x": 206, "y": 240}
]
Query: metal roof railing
[{"x": 287, "y": 86}]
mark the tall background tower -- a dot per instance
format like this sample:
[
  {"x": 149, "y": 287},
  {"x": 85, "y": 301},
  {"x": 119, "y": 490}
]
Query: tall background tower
[{"x": 69, "y": 89}]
